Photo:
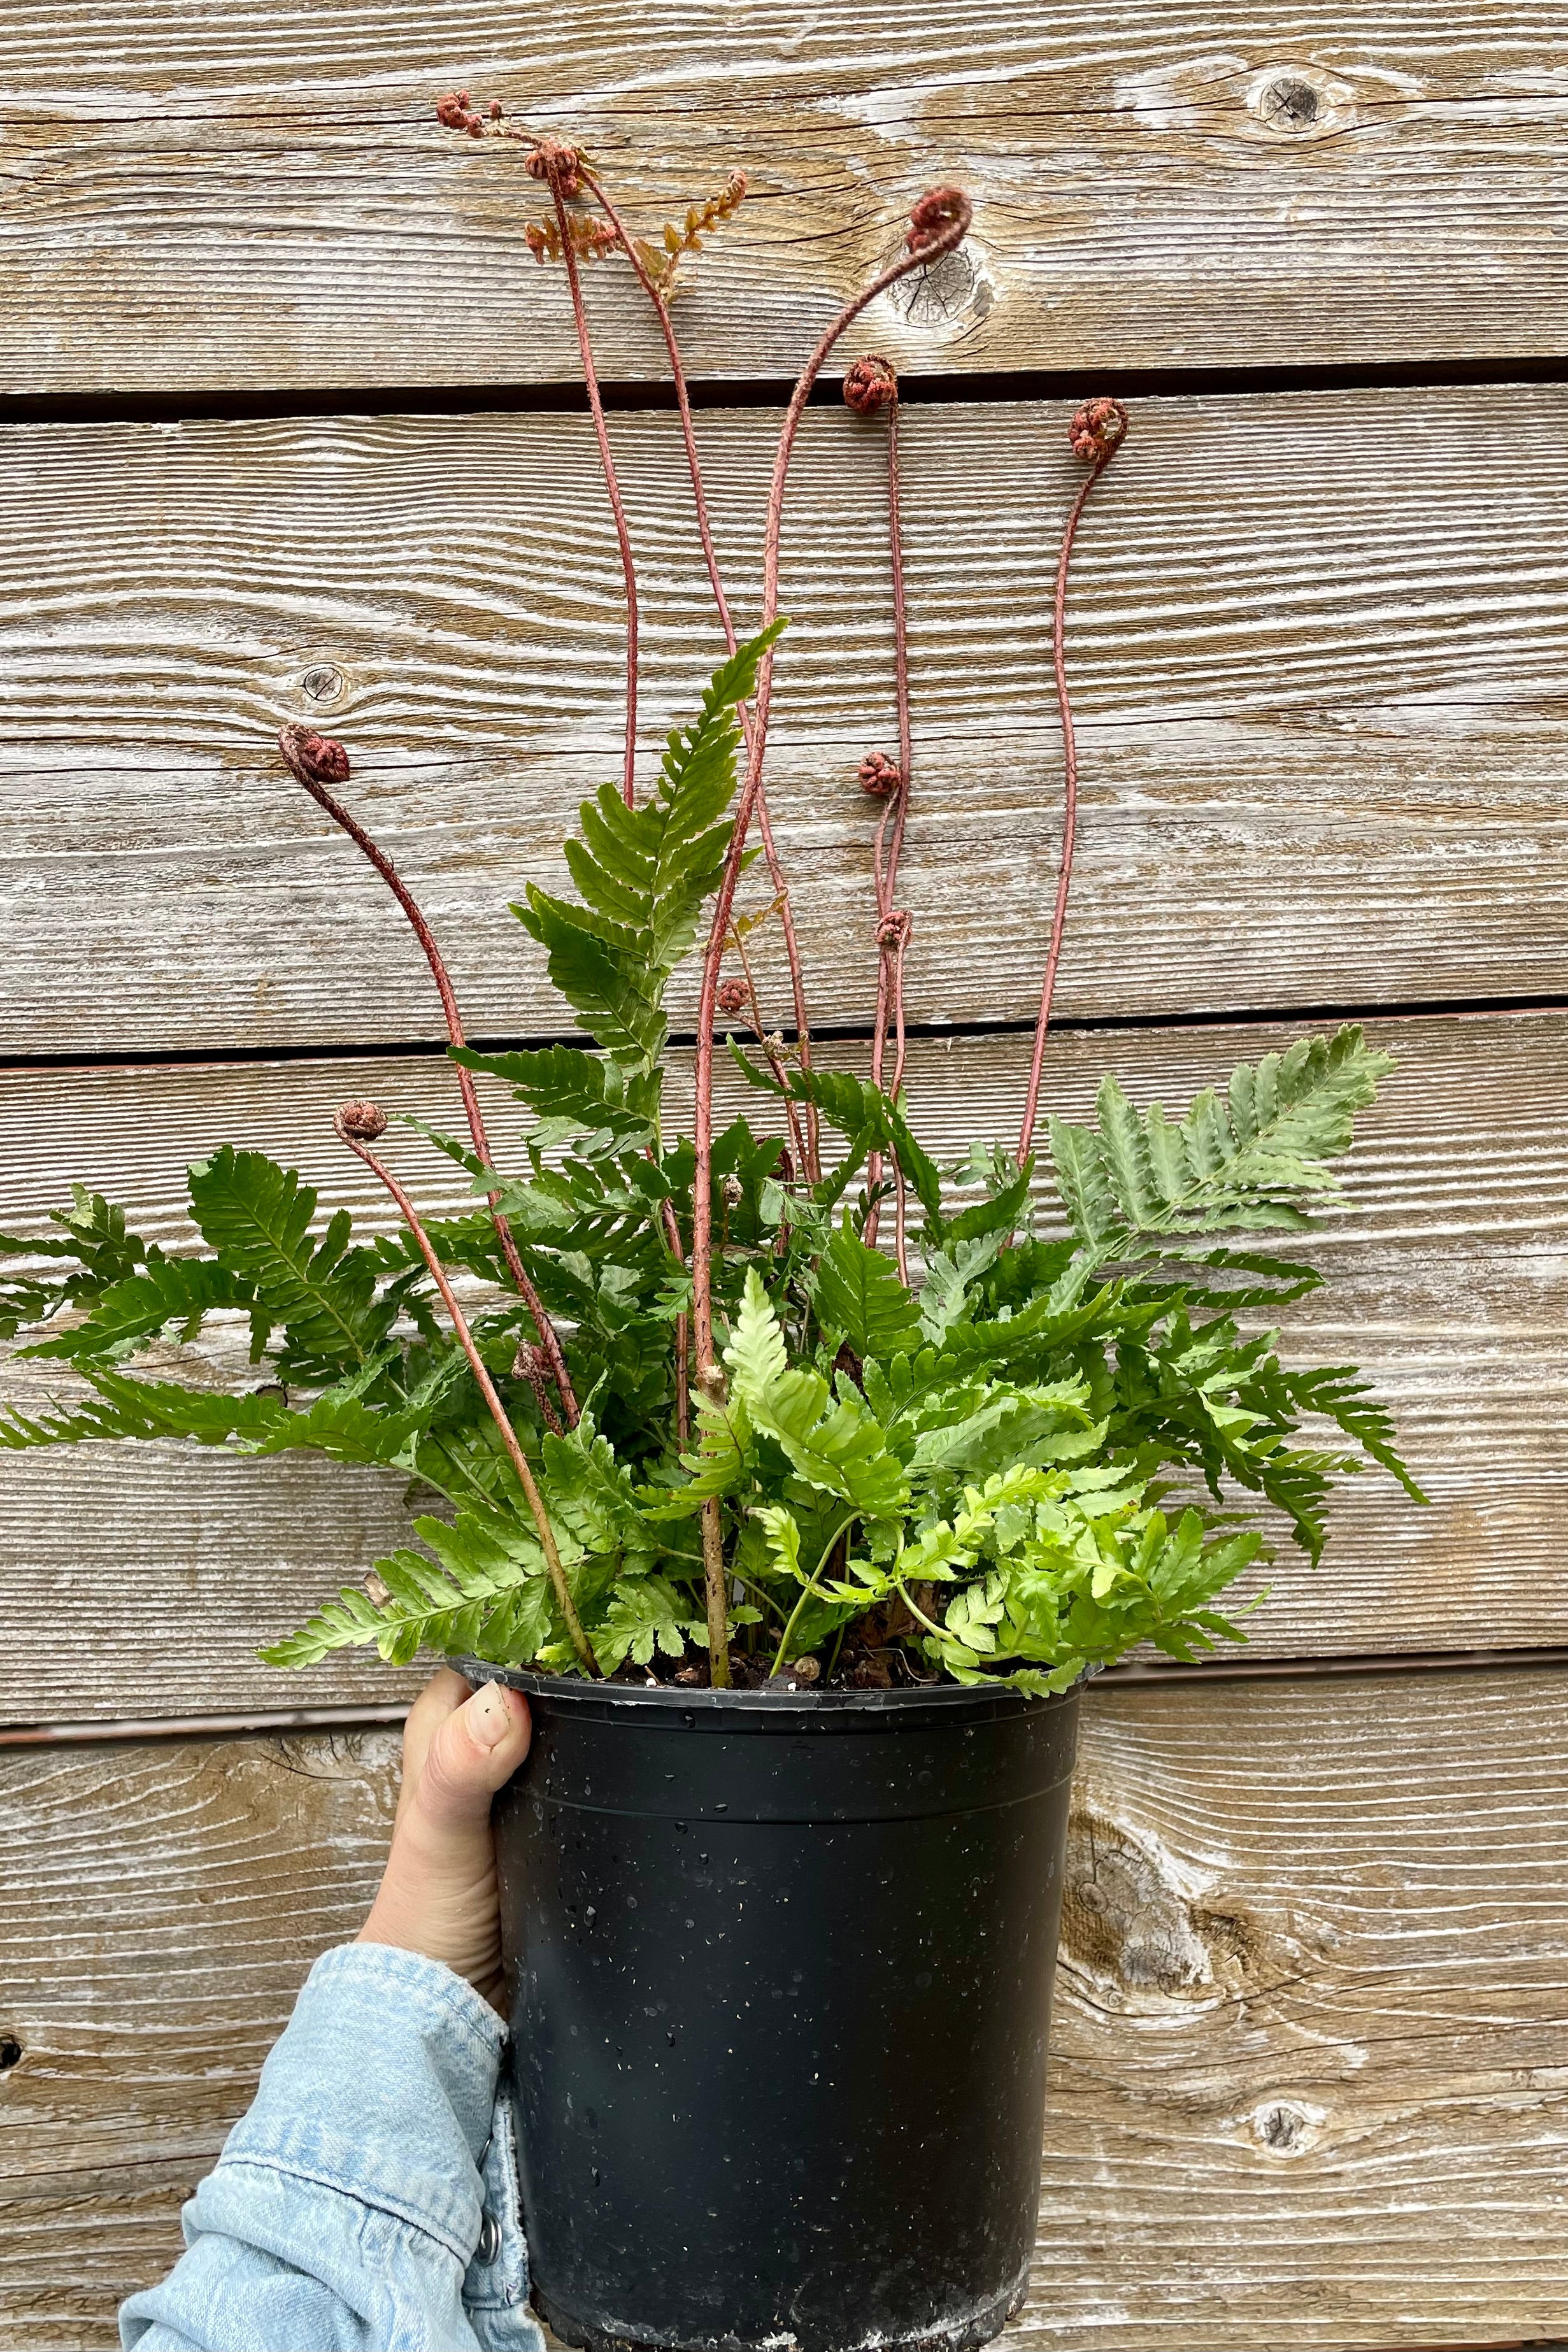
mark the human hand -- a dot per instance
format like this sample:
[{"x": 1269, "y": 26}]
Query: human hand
[{"x": 437, "y": 1894}]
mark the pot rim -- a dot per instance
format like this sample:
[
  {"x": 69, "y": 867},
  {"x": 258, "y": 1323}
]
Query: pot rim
[{"x": 802, "y": 1707}]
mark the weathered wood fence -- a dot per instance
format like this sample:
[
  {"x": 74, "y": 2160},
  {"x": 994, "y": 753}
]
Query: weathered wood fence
[{"x": 286, "y": 432}]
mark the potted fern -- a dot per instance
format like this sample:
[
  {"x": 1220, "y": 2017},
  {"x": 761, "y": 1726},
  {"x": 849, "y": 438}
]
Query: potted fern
[{"x": 799, "y": 1481}]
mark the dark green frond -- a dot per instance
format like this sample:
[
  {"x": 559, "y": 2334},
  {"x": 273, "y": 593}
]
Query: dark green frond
[
  {"x": 256, "y": 1217},
  {"x": 174, "y": 1293},
  {"x": 858, "y": 1294}
]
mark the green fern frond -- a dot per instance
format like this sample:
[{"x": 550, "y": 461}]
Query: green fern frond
[
  {"x": 178, "y": 1292},
  {"x": 570, "y": 1092},
  {"x": 1248, "y": 1163},
  {"x": 98, "y": 1237},
  {"x": 97, "y": 1253},
  {"x": 649, "y": 1616},
  {"x": 486, "y": 1594},
  {"x": 1029, "y": 1427},
  {"x": 590, "y": 1493},
  {"x": 339, "y": 1423},
  {"x": 257, "y": 1217},
  {"x": 858, "y": 1294},
  {"x": 1337, "y": 1392},
  {"x": 642, "y": 876},
  {"x": 868, "y": 1119},
  {"x": 755, "y": 1352}
]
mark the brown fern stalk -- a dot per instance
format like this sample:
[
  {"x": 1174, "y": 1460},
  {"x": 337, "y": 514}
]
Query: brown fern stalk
[
  {"x": 561, "y": 169},
  {"x": 658, "y": 298},
  {"x": 1096, "y": 434},
  {"x": 317, "y": 762},
  {"x": 937, "y": 226},
  {"x": 359, "y": 1125},
  {"x": 871, "y": 386}
]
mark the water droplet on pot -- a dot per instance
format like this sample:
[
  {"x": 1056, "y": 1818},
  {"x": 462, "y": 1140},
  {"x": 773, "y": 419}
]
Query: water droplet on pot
[
  {"x": 680, "y": 1827},
  {"x": 688, "y": 1719},
  {"x": 669, "y": 2035},
  {"x": 721, "y": 1806},
  {"x": 594, "y": 2174},
  {"x": 631, "y": 1903},
  {"x": 703, "y": 1860},
  {"x": 589, "y": 1913}
]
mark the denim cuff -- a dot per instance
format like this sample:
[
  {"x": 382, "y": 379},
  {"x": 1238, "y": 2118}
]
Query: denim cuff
[{"x": 384, "y": 2087}]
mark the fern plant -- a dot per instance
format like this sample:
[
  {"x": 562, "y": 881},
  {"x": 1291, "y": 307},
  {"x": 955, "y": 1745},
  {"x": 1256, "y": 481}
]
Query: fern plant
[{"x": 697, "y": 1420}]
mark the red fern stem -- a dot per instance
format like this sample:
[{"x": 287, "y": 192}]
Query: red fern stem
[
  {"x": 311, "y": 759},
  {"x": 359, "y": 1125},
  {"x": 710, "y": 555},
  {"x": 563, "y": 169},
  {"x": 1097, "y": 432},
  {"x": 893, "y": 935},
  {"x": 937, "y": 226}
]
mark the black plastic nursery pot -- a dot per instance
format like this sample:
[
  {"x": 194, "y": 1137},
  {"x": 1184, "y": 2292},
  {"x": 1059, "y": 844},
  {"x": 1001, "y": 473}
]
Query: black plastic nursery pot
[{"x": 780, "y": 1969}]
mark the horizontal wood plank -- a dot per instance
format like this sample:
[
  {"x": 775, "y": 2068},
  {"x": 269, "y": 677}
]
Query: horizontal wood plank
[
  {"x": 138, "y": 1581},
  {"x": 1320, "y": 645},
  {"x": 266, "y": 199},
  {"x": 1306, "y": 2086}
]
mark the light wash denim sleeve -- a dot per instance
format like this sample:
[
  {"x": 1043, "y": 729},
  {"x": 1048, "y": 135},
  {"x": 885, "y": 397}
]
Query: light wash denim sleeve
[{"x": 368, "y": 2202}]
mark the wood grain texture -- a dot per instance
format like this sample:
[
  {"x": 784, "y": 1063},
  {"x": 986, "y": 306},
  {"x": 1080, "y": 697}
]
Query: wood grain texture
[
  {"x": 138, "y": 1581},
  {"x": 265, "y": 198},
  {"x": 1307, "y": 2068},
  {"x": 151, "y": 1942},
  {"x": 1306, "y": 2086},
  {"x": 1320, "y": 646}
]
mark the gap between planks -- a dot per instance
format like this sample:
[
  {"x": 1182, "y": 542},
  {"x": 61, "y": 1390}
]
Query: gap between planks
[
  {"x": 405, "y": 1049},
  {"x": 1134, "y": 1675},
  {"x": 213, "y": 405}
]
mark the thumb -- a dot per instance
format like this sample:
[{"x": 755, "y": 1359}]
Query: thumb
[{"x": 473, "y": 1752}]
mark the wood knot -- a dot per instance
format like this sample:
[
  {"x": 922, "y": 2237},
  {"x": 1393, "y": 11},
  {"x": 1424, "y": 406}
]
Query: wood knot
[
  {"x": 324, "y": 683},
  {"x": 1123, "y": 1918},
  {"x": 1289, "y": 103},
  {"x": 1148, "y": 1929},
  {"x": 1286, "y": 2127},
  {"x": 955, "y": 291},
  {"x": 10, "y": 2052},
  {"x": 1298, "y": 104}
]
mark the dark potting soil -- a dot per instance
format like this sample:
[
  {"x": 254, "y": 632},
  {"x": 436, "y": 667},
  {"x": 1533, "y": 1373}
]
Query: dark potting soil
[{"x": 886, "y": 1668}]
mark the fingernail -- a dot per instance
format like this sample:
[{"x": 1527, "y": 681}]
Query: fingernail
[{"x": 490, "y": 1715}]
